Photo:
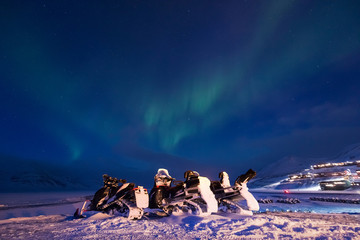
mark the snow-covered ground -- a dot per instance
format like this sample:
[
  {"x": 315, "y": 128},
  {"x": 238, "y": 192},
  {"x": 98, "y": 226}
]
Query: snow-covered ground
[
  {"x": 49, "y": 216},
  {"x": 260, "y": 226}
]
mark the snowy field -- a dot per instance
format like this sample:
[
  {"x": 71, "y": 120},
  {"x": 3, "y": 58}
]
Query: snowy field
[{"x": 49, "y": 216}]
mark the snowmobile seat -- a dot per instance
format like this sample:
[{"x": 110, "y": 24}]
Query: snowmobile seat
[
  {"x": 159, "y": 194},
  {"x": 177, "y": 189},
  {"x": 99, "y": 197},
  {"x": 215, "y": 186},
  {"x": 221, "y": 192},
  {"x": 191, "y": 188},
  {"x": 192, "y": 182},
  {"x": 125, "y": 188}
]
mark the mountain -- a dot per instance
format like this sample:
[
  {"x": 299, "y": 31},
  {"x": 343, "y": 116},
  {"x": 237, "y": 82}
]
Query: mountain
[
  {"x": 24, "y": 175},
  {"x": 282, "y": 168},
  {"x": 28, "y": 175}
]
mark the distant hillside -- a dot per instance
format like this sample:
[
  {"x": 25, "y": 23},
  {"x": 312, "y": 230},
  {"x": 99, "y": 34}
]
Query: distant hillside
[
  {"x": 25, "y": 175},
  {"x": 19, "y": 175},
  {"x": 280, "y": 169}
]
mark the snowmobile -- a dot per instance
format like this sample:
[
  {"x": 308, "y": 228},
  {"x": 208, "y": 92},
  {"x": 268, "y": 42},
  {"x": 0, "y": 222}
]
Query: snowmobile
[
  {"x": 229, "y": 196},
  {"x": 116, "y": 197},
  {"x": 193, "y": 195}
]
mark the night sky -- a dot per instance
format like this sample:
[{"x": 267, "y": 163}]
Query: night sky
[{"x": 204, "y": 85}]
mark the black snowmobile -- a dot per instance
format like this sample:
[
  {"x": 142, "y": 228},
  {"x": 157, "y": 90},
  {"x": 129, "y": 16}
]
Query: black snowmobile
[
  {"x": 116, "y": 197},
  {"x": 193, "y": 195},
  {"x": 229, "y": 196}
]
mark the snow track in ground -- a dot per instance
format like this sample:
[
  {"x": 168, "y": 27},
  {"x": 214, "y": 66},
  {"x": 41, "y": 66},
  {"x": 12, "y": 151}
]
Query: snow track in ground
[{"x": 228, "y": 226}]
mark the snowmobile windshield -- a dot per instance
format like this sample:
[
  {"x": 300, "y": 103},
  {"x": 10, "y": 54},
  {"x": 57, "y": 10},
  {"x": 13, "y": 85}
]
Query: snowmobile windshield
[
  {"x": 190, "y": 174},
  {"x": 163, "y": 181},
  {"x": 163, "y": 178},
  {"x": 162, "y": 172}
]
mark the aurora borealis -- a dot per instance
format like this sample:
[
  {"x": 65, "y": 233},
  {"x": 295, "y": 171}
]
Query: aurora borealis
[{"x": 149, "y": 84}]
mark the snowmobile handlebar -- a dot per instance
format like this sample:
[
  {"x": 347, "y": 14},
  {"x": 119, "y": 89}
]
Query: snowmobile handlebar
[
  {"x": 112, "y": 180},
  {"x": 244, "y": 178}
]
